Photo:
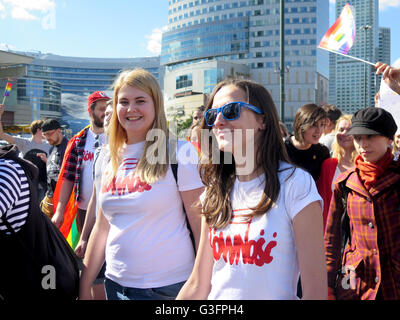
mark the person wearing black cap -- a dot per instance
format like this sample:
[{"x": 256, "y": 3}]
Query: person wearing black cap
[
  {"x": 51, "y": 130},
  {"x": 370, "y": 265}
]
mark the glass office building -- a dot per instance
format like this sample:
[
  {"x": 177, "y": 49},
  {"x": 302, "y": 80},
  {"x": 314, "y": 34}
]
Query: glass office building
[
  {"x": 58, "y": 86},
  {"x": 82, "y": 76},
  {"x": 43, "y": 95},
  {"x": 353, "y": 84},
  {"x": 248, "y": 32}
]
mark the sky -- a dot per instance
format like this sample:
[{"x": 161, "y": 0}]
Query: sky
[{"x": 112, "y": 29}]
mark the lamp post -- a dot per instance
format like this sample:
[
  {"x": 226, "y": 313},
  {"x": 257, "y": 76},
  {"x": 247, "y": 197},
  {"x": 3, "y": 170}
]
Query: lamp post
[
  {"x": 365, "y": 28},
  {"x": 282, "y": 60}
]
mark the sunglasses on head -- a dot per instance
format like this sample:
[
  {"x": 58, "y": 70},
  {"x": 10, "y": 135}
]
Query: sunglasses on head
[{"x": 230, "y": 111}]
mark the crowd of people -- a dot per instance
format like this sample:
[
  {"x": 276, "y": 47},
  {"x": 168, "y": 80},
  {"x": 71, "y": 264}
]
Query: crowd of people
[{"x": 242, "y": 210}]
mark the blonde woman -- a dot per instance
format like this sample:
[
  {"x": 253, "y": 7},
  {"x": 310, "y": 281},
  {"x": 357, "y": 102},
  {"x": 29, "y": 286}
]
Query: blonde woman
[
  {"x": 141, "y": 231},
  {"x": 344, "y": 153}
]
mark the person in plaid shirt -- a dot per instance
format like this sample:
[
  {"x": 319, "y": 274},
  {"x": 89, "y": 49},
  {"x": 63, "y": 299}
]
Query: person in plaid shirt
[
  {"x": 370, "y": 266},
  {"x": 77, "y": 178}
]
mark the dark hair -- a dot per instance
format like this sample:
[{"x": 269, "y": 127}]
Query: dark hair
[
  {"x": 35, "y": 125},
  {"x": 219, "y": 178},
  {"x": 306, "y": 117},
  {"x": 333, "y": 113}
]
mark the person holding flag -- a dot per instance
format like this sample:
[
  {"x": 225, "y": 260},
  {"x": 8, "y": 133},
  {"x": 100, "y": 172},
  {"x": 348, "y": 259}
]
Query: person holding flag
[{"x": 7, "y": 91}]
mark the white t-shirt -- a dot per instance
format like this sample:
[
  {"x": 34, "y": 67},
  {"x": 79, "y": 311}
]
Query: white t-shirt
[
  {"x": 148, "y": 244},
  {"x": 86, "y": 183},
  {"x": 256, "y": 258}
]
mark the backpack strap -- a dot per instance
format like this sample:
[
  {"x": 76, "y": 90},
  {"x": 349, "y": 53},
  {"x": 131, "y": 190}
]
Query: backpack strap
[{"x": 174, "y": 168}]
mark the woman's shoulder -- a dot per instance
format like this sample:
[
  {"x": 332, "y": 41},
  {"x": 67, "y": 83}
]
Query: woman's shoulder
[
  {"x": 320, "y": 147},
  {"x": 329, "y": 163},
  {"x": 290, "y": 172}
]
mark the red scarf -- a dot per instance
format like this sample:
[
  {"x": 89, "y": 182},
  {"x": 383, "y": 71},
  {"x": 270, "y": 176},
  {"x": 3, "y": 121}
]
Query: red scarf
[{"x": 369, "y": 172}]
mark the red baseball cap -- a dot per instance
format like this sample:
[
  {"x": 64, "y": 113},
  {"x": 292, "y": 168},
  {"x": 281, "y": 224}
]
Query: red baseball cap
[{"x": 96, "y": 96}]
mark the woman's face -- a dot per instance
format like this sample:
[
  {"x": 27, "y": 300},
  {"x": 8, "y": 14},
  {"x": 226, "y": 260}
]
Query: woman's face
[
  {"x": 313, "y": 134},
  {"x": 224, "y": 130},
  {"x": 371, "y": 147},
  {"x": 343, "y": 139},
  {"x": 136, "y": 113}
]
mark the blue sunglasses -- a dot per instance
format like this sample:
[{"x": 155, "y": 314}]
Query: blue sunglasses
[{"x": 230, "y": 111}]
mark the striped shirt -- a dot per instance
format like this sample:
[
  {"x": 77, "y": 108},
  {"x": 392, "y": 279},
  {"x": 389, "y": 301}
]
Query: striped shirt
[{"x": 14, "y": 195}]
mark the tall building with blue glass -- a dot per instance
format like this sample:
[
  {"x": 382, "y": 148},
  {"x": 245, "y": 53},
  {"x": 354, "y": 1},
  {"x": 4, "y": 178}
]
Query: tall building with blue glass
[{"x": 248, "y": 32}]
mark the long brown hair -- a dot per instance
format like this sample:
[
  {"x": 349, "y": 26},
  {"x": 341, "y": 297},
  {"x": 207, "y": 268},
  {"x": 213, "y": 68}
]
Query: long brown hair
[{"x": 219, "y": 178}]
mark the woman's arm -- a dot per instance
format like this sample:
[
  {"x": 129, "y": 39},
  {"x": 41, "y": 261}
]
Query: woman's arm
[
  {"x": 198, "y": 286},
  {"x": 308, "y": 232},
  {"x": 193, "y": 211},
  {"x": 90, "y": 219},
  {"x": 94, "y": 257}
]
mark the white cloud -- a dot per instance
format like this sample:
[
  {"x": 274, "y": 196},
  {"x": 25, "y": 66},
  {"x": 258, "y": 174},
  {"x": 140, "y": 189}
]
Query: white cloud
[
  {"x": 2, "y": 11},
  {"x": 32, "y": 5},
  {"x": 22, "y": 14},
  {"x": 384, "y": 4},
  {"x": 29, "y": 10},
  {"x": 6, "y": 47},
  {"x": 154, "y": 40}
]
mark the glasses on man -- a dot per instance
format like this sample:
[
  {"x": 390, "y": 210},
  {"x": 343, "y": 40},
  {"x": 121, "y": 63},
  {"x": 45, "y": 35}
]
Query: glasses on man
[
  {"x": 48, "y": 133},
  {"x": 230, "y": 111}
]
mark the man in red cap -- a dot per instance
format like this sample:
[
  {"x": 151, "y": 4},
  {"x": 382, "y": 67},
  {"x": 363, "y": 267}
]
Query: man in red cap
[{"x": 76, "y": 178}]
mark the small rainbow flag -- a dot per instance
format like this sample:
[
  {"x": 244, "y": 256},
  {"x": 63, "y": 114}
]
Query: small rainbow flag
[
  {"x": 340, "y": 36},
  {"x": 8, "y": 89}
]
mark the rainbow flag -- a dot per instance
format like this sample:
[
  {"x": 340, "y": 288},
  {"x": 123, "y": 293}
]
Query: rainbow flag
[
  {"x": 8, "y": 89},
  {"x": 68, "y": 228},
  {"x": 340, "y": 36}
]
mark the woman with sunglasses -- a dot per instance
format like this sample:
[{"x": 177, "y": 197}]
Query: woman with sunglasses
[
  {"x": 303, "y": 147},
  {"x": 262, "y": 219},
  {"x": 141, "y": 230}
]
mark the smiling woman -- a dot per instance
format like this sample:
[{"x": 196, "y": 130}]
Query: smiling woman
[
  {"x": 141, "y": 224},
  {"x": 303, "y": 148}
]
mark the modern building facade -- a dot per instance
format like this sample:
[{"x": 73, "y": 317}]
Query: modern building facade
[
  {"x": 353, "y": 84},
  {"x": 384, "y": 45},
  {"x": 186, "y": 88},
  {"x": 52, "y": 81},
  {"x": 248, "y": 32},
  {"x": 12, "y": 66}
]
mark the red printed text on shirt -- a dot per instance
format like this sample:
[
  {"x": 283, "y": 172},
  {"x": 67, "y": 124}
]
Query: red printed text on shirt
[{"x": 232, "y": 247}]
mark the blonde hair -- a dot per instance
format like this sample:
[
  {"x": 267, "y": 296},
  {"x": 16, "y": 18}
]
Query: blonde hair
[
  {"x": 337, "y": 151},
  {"x": 147, "y": 170}
]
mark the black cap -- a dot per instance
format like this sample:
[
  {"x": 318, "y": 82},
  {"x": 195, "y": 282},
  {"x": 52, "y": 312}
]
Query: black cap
[
  {"x": 373, "y": 121},
  {"x": 50, "y": 124}
]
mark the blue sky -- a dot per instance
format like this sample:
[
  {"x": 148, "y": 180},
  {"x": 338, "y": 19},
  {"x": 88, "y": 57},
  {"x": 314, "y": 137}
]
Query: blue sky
[{"x": 110, "y": 29}]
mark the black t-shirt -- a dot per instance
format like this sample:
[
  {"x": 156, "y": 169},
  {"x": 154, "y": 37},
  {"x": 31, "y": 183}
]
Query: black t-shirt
[
  {"x": 310, "y": 159},
  {"x": 54, "y": 162}
]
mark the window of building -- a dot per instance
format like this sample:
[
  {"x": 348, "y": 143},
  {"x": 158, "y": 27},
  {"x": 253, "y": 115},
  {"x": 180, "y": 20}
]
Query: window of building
[{"x": 184, "y": 81}]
